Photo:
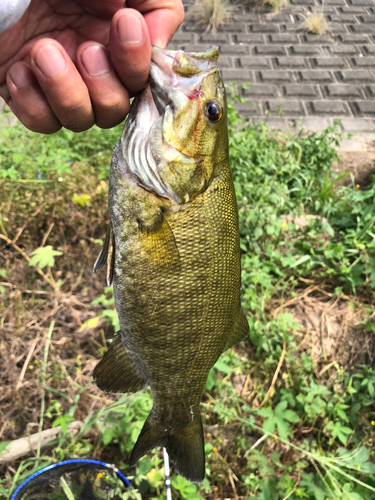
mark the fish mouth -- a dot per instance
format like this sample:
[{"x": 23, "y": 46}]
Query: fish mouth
[
  {"x": 175, "y": 77},
  {"x": 175, "y": 74}
]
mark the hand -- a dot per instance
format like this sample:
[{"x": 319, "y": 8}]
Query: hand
[{"x": 73, "y": 63}]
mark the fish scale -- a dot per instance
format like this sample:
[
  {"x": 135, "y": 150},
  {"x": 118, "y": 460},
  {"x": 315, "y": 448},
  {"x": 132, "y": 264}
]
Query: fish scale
[{"x": 176, "y": 266}]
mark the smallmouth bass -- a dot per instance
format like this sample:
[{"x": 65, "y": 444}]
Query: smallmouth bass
[{"x": 173, "y": 252}]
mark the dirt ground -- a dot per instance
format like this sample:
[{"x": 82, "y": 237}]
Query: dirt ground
[
  {"x": 329, "y": 326},
  {"x": 361, "y": 164}
]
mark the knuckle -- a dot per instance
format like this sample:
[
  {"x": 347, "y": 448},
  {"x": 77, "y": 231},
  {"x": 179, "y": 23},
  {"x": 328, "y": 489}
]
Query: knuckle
[
  {"x": 114, "y": 107},
  {"x": 38, "y": 114},
  {"x": 105, "y": 123},
  {"x": 45, "y": 127},
  {"x": 76, "y": 124},
  {"x": 111, "y": 109},
  {"x": 78, "y": 127},
  {"x": 73, "y": 105},
  {"x": 40, "y": 120},
  {"x": 76, "y": 116}
]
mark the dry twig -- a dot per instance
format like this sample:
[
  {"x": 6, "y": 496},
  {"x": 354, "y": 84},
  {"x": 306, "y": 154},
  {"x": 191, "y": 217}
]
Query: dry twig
[
  {"x": 27, "y": 258},
  {"x": 21, "y": 447},
  {"x": 275, "y": 375},
  {"x": 26, "y": 363}
]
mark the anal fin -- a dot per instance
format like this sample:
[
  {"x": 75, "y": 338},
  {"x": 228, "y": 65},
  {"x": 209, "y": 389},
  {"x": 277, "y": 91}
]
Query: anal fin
[
  {"x": 239, "y": 332},
  {"x": 117, "y": 371}
]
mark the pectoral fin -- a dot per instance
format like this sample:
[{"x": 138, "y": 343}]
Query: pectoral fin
[
  {"x": 111, "y": 260},
  {"x": 119, "y": 370},
  {"x": 103, "y": 255},
  {"x": 239, "y": 332},
  {"x": 107, "y": 254},
  {"x": 159, "y": 244}
]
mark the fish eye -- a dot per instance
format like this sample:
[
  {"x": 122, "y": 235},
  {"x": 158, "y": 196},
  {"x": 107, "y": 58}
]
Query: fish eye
[{"x": 213, "y": 111}]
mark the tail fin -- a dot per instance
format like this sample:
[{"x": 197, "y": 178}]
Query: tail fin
[{"x": 185, "y": 447}]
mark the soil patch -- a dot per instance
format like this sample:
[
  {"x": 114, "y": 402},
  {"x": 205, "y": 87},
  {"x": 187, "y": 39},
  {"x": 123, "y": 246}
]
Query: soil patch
[
  {"x": 333, "y": 329},
  {"x": 361, "y": 164}
]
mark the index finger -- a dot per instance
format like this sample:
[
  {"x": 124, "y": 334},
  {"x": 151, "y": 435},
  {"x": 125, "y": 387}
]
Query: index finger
[{"x": 162, "y": 18}]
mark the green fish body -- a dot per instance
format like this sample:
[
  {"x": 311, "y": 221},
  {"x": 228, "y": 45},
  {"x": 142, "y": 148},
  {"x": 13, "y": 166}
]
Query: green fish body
[{"x": 173, "y": 253}]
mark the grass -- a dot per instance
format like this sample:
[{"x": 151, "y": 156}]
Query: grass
[
  {"x": 315, "y": 22},
  {"x": 276, "y": 5},
  {"x": 289, "y": 413},
  {"x": 212, "y": 13}
]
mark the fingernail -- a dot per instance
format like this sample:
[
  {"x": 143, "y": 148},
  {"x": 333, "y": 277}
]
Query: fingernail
[
  {"x": 95, "y": 60},
  {"x": 129, "y": 29},
  {"x": 50, "y": 61},
  {"x": 21, "y": 76}
]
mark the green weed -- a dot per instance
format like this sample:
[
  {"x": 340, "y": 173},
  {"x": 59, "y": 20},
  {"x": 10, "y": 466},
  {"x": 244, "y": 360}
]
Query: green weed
[
  {"x": 31, "y": 157},
  {"x": 212, "y": 13},
  {"x": 279, "y": 422}
]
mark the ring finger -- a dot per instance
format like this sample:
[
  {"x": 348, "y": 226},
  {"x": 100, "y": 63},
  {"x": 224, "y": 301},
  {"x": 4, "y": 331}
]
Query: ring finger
[{"x": 62, "y": 85}]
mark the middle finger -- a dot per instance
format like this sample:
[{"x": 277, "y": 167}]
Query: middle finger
[{"x": 62, "y": 85}]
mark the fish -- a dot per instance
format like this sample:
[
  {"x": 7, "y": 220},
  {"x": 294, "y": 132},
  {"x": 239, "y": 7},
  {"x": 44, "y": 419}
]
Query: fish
[{"x": 172, "y": 251}]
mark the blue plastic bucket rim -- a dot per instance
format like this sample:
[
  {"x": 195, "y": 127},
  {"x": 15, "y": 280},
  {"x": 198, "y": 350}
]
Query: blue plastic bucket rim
[{"x": 74, "y": 461}]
